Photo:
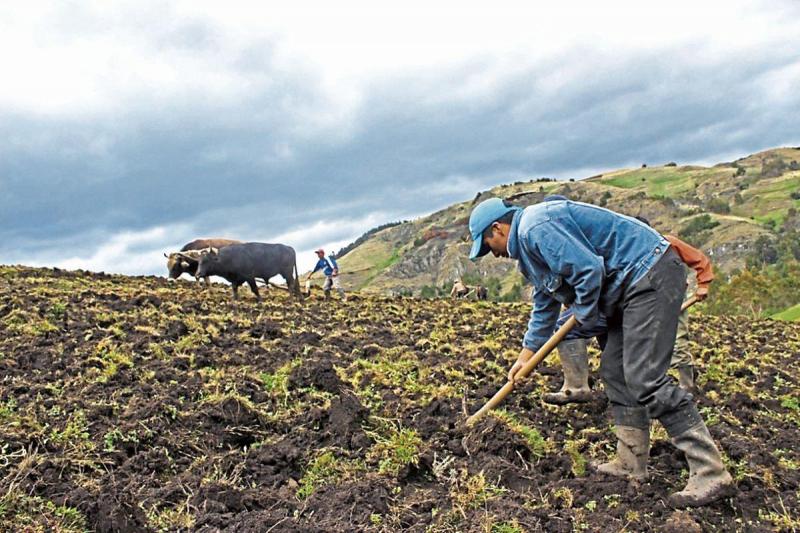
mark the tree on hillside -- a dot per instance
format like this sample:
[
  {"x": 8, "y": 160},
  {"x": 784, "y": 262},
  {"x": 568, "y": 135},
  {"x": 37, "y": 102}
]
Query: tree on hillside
[
  {"x": 698, "y": 230},
  {"x": 719, "y": 206},
  {"x": 764, "y": 252},
  {"x": 773, "y": 167}
]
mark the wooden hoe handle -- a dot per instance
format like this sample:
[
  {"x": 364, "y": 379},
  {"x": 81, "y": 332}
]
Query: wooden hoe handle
[
  {"x": 537, "y": 358},
  {"x": 688, "y": 303},
  {"x": 526, "y": 369}
]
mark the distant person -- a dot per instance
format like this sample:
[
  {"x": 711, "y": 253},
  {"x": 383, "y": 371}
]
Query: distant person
[
  {"x": 331, "y": 271},
  {"x": 482, "y": 292},
  {"x": 459, "y": 290},
  {"x": 682, "y": 359}
]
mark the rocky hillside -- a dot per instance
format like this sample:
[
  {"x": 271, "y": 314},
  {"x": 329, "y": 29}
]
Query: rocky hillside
[{"x": 723, "y": 209}]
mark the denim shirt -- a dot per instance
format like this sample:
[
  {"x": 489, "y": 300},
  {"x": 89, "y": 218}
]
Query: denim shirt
[
  {"x": 581, "y": 255},
  {"x": 329, "y": 264}
]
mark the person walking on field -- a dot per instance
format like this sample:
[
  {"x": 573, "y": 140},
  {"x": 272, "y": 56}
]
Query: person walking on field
[
  {"x": 602, "y": 263},
  {"x": 574, "y": 356},
  {"x": 331, "y": 271}
]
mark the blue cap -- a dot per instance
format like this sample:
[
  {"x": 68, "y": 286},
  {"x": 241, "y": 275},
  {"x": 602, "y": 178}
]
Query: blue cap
[{"x": 481, "y": 218}]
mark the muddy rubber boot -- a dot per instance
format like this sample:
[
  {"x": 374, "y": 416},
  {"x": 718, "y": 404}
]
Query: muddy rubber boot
[
  {"x": 327, "y": 294},
  {"x": 686, "y": 379},
  {"x": 575, "y": 365},
  {"x": 708, "y": 479},
  {"x": 633, "y": 450}
]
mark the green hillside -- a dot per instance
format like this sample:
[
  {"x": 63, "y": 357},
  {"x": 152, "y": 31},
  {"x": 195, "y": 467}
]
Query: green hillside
[{"x": 725, "y": 209}]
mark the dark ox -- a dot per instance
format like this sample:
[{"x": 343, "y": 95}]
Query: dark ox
[
  {"x": 240, "y": 263},
  {"x": 188, "y": 258}
]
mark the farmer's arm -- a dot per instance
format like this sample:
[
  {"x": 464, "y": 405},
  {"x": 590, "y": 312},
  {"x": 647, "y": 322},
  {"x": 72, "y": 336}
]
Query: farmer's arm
[
  {"x": 698, "y": 261},
  {"x": 335, "y": 266},
  {"x": 540, "y": 328}
]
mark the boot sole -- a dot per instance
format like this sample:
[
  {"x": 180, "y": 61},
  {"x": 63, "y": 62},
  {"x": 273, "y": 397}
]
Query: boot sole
[
  {"x": 595, "y": 468},
  {"x": 555, "y": 398},
  {"x": 723, "y": 491}
]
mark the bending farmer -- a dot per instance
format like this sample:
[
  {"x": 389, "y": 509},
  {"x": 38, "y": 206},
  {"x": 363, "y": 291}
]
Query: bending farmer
[{"x": 605, "y": 264}]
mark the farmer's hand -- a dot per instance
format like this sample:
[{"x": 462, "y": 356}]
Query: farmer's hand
[
  {"x": 523, "y": 358},
  {"x": 701, "y": 293},
  {"x": 335, "y": 272}
]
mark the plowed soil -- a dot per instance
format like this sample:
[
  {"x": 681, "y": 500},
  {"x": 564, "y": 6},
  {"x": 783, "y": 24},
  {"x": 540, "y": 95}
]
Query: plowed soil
[{"x": 133, "y": 404}]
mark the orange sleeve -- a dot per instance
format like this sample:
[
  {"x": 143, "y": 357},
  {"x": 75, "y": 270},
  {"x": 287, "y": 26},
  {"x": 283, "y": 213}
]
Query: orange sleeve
[{"x": 693, "y": 258}]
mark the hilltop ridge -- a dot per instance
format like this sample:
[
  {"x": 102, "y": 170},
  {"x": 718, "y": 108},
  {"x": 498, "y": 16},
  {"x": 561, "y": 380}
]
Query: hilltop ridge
[{"x": 724, "y": 209}]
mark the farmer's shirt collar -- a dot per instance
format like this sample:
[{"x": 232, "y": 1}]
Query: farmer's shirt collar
[{"x": 513, "y": 241}]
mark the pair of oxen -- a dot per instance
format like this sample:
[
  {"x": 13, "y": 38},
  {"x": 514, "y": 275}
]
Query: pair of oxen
[{"x": 237, "y": 262}]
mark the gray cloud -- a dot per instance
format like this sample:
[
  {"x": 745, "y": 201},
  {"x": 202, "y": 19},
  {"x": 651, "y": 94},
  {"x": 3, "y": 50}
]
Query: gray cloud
[{"x": 280, "y": 158}]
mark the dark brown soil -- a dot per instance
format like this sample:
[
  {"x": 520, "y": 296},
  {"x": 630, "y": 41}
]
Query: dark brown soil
[{"x": 131, "y": 404}]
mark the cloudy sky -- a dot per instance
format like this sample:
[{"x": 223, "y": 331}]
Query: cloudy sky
[{"x": 130, "y": 128}]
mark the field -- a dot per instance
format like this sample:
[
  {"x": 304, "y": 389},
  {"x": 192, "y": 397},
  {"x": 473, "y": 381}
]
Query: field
[{"x": 133, "y": 404}]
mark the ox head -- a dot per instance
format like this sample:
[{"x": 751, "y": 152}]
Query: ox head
[
  {"x": 207, "y": 258},
  {"x": 180, "y": 262}
]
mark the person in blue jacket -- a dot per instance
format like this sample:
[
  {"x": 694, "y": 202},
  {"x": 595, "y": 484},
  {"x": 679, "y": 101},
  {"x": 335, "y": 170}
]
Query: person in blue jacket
[
  {"x": 331, "y": 271},
  {"x": 604, "y": 264}
]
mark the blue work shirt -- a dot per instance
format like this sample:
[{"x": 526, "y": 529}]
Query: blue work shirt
[
  {"x": 581, "y": 255},
  {"x": 328, "y": 263}
]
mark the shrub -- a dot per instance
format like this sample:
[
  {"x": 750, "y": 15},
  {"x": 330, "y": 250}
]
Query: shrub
[
  {"x": 764, "y": 252},
  {"x": 604, "y": 199},
  {"x": 772, "y": 168},
  {"x": 671, "y": 164},
  {"x": 719, "y": 205},
  {"x": 696, "y": 231}
]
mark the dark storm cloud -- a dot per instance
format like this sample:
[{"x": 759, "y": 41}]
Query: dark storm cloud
[{"x": 265, "y": 166}]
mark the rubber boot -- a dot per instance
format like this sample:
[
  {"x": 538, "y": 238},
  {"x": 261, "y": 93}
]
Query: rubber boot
[
  {"x": 575, "y": 365},
  {"x": 708, "y": 479},
  {"x": 327, "y": 294},
  {"x": 686, "y": 379},
  {"x": 633, "y": 450}
]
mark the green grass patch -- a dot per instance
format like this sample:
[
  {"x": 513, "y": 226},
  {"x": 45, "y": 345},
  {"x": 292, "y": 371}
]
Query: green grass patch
[
  {"x": 791, "y": 314},
  {"x": 277, "y": 383},
  {"x": 395, "y": 447},
  {"x": 537, "y": 444},
  {"x": 325, "y": 469},
  {"x": 21, "y": 512}
]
